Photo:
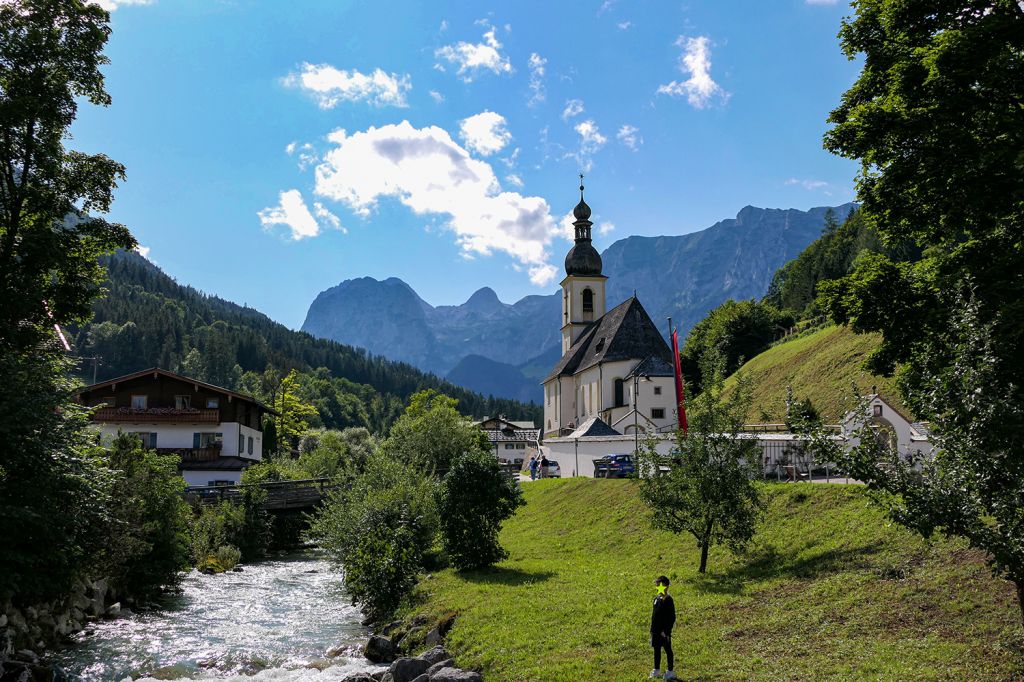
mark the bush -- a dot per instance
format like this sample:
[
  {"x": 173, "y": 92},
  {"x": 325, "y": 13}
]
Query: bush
[
  {"x": 223, "y": 559},
  {"x": 257, "y": 527},
  {"x": 215, "y": 526},
  {"x": 379, "y": 529},
  {"x": 147, "y": 542},
  {"x": 472, "y": 501}
]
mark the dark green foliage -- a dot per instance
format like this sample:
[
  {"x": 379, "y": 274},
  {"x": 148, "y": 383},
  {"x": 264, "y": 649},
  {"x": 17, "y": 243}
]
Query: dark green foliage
[
  {"x": 270, "y": 444},
  {"x": 733, "y": 332},
  {"x": 215, "y": 526},
  {"x": 936, "y": 121},
  {"x": 473, "y": 500},
  {"x": 149, "y": 320},
  {"x": 147, "y": 541},
  {"x": 257, "y": 526},
  {"x": 54, "y": 489},
  {"x": 379, "y": 529},
  {"x": 431, "y": 434},
  {"x": 709, "y": 490}
]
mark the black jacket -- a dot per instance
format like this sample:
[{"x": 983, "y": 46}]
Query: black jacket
[{"x": 663, "y": 615}]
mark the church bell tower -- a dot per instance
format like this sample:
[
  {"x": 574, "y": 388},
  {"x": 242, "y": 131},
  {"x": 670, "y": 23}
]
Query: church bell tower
[{"x": 583, "y": 287}]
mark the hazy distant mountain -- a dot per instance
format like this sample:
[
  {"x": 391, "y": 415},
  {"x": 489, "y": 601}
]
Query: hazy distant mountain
[{"x": 681, "y": 276}]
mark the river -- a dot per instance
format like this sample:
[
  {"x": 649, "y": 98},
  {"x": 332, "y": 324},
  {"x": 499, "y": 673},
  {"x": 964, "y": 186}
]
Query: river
[{"x": 275, "y": 620}]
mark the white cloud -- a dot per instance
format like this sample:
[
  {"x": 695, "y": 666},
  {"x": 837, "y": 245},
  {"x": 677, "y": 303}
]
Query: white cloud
[
  {"x": 144, "y": 252},
  {"x": 537, "y": 92},
  {"x": 326, "y": 216},
  {"x": 573, "y": 107},
  {"x": 809, "y": 184},
  {"x": 443, "y": 27},
  {"x": 591, "y": 140},
  {"x": 485, "y": 133},
  {"x": 605, "y": 228},
  {"x": 111, "y": 5},
  {"x": 624, "y": 25},
  {"x": 290, "y": 148},
  {"x": 330, "y": 85},
  {"x": 514, "y": 180},
  {"x": 475, "y": 58},
  {"x": 437, "y": 96},
  {"x": 293, "y": 213},
  {"x": 307, "y": 155},
  {"x": 630, "y": 136},
  {"x": 695, "y": 62},
  {"x": 427, "y": 171}
]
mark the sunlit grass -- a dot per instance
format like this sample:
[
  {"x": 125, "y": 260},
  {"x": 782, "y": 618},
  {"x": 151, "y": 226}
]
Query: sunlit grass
[{"x": 829, "y": 591}]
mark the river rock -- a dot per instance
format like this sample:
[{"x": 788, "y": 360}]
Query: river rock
[
  {"x": 360, "y": 677},
  {"x": 379, "y": 649},
  {"x": 114, "y": 610},
  {"x": 434, "y": 655},
  {"x": 455, "y": 675},
  {"x": 433, "y": 638},
  {"x": 407, "y": 669},
  {"x": 422, "y": 678},
  {"x": 446, "y": 663},
  {"x": 390, "y": 627}
]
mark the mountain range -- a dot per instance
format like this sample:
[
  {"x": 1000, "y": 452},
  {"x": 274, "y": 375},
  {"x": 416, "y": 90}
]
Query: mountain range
[{"x": 506, "y": 349}]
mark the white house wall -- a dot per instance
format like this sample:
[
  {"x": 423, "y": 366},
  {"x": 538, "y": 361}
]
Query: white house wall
[
  {"x": 203, "y": 478},
  {"x": 181, "y": 435}
]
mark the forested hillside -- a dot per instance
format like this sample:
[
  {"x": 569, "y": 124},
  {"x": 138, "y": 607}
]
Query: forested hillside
[{"x": 149, "y": 320}]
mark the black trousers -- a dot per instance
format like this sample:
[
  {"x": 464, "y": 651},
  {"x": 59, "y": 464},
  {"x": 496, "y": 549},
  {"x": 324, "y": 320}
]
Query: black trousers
[{"x": 659, "y": 643}]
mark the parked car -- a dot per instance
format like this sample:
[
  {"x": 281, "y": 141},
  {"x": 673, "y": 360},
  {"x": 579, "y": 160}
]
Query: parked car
[
  {"x": 554, "y": 471},
  {"x": 614, "y": 466}
]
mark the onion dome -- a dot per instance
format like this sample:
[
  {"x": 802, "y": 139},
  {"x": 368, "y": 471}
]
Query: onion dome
[{"x": 583, "y": 258}]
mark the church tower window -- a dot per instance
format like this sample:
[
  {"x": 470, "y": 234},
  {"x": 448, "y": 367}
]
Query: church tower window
[
  {"x": 588, "y": 301},
  {"x": 620, "y": 397}
]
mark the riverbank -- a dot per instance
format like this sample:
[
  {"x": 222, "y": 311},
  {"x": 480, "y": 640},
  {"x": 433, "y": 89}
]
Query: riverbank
[{"x": 829, "y": 589}]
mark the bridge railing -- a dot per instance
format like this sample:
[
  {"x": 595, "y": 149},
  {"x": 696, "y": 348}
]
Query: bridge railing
[{"x": 280, "y": 494}]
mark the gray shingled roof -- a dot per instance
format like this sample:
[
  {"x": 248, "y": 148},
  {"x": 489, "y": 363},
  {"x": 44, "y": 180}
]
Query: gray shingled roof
[
  {"x": 595, "y": 426},
  {"x": 624, "y": 332},
  {"x": 653, "y": 366}
]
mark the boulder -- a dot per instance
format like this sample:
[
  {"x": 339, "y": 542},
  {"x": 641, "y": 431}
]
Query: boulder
[
  {"x": 390, "y": 627},
  {"x": 422, "y": 678},
  {"x": 446, "y": 663},
  {"x": 407, "y": 669},
  {"x": 434, "y": 655},
  {"x": 433, "y": 638},
  {"x": 379, "y": 649},
  {"x": 360, "y": 677},
  {"x": 455, "y": 675},
  {"x": 114, "y": 610}
]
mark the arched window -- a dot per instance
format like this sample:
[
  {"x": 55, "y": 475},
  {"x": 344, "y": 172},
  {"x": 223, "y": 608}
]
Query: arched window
[
  {"x": 588, "y": 301},
  {"x": 620, "y": 394}
]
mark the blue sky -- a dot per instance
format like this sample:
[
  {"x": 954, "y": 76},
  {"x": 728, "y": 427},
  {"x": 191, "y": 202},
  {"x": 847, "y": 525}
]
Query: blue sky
[{"x": 275, "y": 149}]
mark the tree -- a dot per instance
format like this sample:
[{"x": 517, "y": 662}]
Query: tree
[
  {"x": 473, "y": 499},
  {"x": 733, "y": 332},
  {"x": 709, "y": 489},
  {"x": 936, "y": 121},
  {"x": 53, "y": 487},
  {"x": 293, "y": 413},
  {"x": 431, "y": 433},
  {"x": 50, "y": 58}
]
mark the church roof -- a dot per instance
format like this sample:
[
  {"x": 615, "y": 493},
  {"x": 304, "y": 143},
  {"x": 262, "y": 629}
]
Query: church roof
[
  {"x": 625, "y": 332},
  {"x": 595, "y": 426},
  {"x": 653, "y": 366}
]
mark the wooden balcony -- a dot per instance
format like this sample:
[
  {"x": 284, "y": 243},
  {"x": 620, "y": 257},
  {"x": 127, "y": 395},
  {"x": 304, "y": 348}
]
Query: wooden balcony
[
  {"x": 156, "y": 415},
  {"x": 192, "y": 455}
]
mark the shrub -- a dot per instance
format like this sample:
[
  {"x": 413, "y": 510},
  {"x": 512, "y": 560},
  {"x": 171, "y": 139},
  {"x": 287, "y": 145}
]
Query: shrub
[
  {"x": 214, "y": 527},
  {"x": 379, "y": 529},
  {"x": 472, "y": 501}
]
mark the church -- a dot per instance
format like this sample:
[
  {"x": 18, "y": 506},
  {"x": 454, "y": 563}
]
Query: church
[{"x": 616, "y": 373}]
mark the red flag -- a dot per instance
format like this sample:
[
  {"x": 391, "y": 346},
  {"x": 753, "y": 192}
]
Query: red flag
[{"x": 680, "y": 393}]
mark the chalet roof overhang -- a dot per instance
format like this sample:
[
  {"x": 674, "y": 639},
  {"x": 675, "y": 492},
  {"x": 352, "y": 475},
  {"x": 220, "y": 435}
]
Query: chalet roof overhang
[{"x": 156, "y": 372}]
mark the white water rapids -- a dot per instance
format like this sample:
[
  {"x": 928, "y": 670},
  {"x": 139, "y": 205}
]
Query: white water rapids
[{"x": 273, "y": 621}]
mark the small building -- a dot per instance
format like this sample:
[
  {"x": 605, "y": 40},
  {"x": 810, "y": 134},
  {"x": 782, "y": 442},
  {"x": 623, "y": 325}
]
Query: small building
[
  {"x": 511, "y": 442},
  {"x": 909, "y": 438},
  {"x": 216, "y": 432}
]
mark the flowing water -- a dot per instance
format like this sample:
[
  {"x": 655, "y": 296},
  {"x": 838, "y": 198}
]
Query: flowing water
[{"x": 276, "y": 620}]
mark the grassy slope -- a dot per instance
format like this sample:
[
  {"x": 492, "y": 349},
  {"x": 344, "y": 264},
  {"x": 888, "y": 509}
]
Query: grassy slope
[
  {"x": 822, "y": 366},
  {"x": 830, "y": 591}
]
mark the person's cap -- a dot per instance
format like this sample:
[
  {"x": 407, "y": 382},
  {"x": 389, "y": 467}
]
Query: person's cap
[{"x": 661, "y": 580}]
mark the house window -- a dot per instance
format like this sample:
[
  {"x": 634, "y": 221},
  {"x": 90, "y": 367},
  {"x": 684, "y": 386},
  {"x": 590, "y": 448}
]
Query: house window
[
  {"x": 658, "y": 413},
  {"x": 620, "y": 394},
  {"x": 241, "y": 443},
  {"x": 877, "y": 411},
  {"x": 520, "y": 446},
  {"x": 182, "y": 402},
  {"x": 148, "y": 438},
  {"x": 207, "y": 440},
  {"x": 139, "y": 402},
  {"x": 657, "y": 390},
  {"x": 588, "y": 301},
  {"x": 510, "y": 446},
  {"x": 250, "y": 445},
  {"x": 212, "y": 403},
  {"x": 220, "y": 483}
]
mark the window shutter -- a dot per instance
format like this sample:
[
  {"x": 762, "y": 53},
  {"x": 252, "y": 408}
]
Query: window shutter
[{"x": 195, "y": 441}]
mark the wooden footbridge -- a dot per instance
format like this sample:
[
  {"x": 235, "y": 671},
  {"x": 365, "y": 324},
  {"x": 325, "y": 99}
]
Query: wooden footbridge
[{"x": 281, "y": 495}]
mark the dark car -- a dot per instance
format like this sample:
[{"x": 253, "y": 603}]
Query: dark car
[{"x": 614, "y": 466}]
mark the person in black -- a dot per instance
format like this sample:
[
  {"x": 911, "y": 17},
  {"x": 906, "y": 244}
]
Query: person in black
[
  {"x": 663, "y": 617},
  {"x": 543, "y": 466}
]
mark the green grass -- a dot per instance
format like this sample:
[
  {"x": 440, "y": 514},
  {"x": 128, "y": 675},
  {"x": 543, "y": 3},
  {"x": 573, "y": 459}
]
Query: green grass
[
  {"x": 829, "y": 591},
  {"x": 823, "y": 366}
]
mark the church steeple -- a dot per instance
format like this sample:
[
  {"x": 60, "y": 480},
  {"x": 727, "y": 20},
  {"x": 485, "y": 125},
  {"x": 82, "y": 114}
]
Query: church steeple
[
  {"x": 583, "y": 258},
  {"x": 583, "y": 286}
]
